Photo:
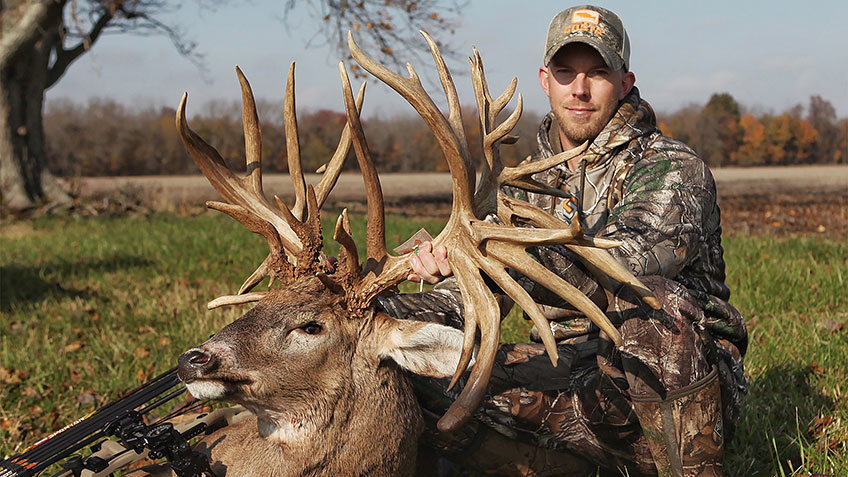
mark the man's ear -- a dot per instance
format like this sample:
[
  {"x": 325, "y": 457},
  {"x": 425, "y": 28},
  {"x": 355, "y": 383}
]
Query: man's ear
[
  {"x": 628, "y": 79},
  {"x": 544, "y": 74},
  {"x": 429, "y": 349}
]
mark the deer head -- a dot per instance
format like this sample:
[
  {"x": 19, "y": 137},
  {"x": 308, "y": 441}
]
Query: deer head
[
  {"x": 294, "y": 349},
  {"x": 309, "y": 354}
]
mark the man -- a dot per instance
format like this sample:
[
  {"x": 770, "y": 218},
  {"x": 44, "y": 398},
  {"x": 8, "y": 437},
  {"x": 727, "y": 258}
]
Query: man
[{"x": 669, "y": 399}]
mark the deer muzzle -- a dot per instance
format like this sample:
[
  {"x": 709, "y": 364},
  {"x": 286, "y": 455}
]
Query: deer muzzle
[{"x": 194, "y": 363}]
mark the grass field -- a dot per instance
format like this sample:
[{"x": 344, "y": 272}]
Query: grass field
[{"x": 92, "y": 307}]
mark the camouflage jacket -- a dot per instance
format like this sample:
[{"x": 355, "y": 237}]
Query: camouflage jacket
[{"x": 649, "y": 191}]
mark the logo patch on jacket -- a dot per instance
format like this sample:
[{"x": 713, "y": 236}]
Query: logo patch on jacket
[{"x": 566, "y": 207}]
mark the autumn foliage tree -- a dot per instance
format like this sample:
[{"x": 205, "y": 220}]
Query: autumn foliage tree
[
  {"x": 724, "y": 135},
  {"x": 752, "y": 146}
]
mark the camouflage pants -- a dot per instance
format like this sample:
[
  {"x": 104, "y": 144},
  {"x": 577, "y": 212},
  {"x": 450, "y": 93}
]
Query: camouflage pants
[{"x": 584, "y": 406}]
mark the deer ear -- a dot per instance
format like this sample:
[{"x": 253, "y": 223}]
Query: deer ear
[{"x": 428, "y": 349}]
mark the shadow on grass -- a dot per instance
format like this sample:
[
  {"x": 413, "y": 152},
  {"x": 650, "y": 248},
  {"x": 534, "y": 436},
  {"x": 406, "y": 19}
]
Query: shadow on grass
[
  {"x": 26, "y": 285},
  {"x": 781, "y": 404}
]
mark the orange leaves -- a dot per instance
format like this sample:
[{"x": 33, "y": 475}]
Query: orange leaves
[{"x": 752, "y": 147}]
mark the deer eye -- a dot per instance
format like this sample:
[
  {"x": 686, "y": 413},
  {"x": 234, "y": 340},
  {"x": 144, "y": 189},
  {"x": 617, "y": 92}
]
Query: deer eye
[{"x": 312, "y": 328}]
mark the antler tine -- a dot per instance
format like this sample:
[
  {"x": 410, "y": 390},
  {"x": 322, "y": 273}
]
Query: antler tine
[
  {"x": 455, "y": 150},
  {"x": 480, "y": 307},
  {"x": 252, "y": 135},
  {"x": 512, "y": 210},
  {"x": 612, "y": 267},
  {"x": 528, "y": 168},
  {"x": 489, "y": 109},
  {"x": 349, "y": 266},
  {"x": 228, "y": 300},
  {"x": 376, "y": 233},
  {"x": 517, "y": 259},
  {"x": 275, "y": 263},
  {"x": 333, "y": 167},
  {"x": 293, "y": 147},
  {"x": 294, "y": 241},
  {"x": 496, "y": 270},
  {"x": 454, "y": 108},
  {"x": 235, "y": 190}
]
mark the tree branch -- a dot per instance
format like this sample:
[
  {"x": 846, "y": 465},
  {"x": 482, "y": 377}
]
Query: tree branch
[
  {"x": 389, "y": 27},
  {"x": 28, "y": 30},
  {"x": 64, "y": 57}
]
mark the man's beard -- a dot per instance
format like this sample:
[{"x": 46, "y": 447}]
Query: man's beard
[{"x": 578, "y": 132}]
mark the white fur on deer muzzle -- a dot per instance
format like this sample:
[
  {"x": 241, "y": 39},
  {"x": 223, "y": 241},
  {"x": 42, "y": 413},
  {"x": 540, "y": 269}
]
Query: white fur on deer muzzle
[{"x": 204, "y": 389}]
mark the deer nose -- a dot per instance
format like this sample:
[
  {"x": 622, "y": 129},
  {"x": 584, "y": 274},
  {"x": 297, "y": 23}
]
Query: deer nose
[{"x": 196, "y": 359}]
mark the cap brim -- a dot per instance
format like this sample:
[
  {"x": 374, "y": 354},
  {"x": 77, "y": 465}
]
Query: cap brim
[{"x": 613, "y": 61}]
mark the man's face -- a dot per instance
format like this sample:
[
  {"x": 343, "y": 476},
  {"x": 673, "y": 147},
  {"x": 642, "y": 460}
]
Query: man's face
[{"x": 584, "y": 92}]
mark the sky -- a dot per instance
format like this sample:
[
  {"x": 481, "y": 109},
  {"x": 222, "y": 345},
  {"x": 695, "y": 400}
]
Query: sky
[{"x": 770, "y": 55}]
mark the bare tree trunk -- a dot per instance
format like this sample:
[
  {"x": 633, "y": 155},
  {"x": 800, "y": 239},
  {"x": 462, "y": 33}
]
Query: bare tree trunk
[{"x": 25, "y": 180}]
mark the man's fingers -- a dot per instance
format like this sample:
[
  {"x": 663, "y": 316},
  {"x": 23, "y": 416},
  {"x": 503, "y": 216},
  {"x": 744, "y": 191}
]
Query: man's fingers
[
  {"x": 425, "y": 247},
  {"x": 424, "y": 266},
  {"x": 429, "y": 265},
  {"x": 441, "y": 257}
]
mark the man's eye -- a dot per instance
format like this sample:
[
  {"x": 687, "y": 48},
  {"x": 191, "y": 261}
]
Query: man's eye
[{"x": 312, "y": 328}]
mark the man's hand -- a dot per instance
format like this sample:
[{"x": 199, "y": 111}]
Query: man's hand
[{"x": 429, "y": 266}]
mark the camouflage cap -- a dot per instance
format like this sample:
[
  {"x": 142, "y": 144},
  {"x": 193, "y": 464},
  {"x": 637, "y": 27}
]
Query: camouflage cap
[{"x": 595, "y": 26}]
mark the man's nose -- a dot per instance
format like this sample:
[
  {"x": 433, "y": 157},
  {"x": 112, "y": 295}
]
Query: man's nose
[{"x": 580, "y": 85}]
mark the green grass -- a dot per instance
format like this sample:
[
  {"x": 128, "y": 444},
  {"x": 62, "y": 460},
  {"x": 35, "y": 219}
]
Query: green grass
[
  {"x": 96, "y": 306},
  {"x": 793, "y": 294}
]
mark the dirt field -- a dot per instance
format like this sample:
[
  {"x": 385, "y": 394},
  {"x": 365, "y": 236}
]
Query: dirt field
[{"x": 785, "y": 200}]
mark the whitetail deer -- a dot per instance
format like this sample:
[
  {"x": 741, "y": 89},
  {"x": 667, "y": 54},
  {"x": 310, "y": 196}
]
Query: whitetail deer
[{"x": 321, "y": 370}]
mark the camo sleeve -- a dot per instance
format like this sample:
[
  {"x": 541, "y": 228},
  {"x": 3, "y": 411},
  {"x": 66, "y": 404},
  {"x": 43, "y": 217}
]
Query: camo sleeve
[{"x": 667, "y": 213}]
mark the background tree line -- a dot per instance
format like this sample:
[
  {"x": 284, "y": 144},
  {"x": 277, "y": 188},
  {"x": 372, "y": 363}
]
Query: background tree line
[
  {"x": 107, "y": 138},
  {"x": 725, "y": 134}
]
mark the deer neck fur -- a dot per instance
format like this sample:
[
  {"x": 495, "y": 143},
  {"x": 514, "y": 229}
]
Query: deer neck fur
[{"x": 368, "y": 425}]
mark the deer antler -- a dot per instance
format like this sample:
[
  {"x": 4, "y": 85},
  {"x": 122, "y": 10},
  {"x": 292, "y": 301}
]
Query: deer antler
[
  {"x": 478, "y": 247},
  {"x": 294, "y": 236}
]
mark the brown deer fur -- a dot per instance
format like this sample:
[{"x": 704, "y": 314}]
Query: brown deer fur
[{"x": 327, "y": 403}]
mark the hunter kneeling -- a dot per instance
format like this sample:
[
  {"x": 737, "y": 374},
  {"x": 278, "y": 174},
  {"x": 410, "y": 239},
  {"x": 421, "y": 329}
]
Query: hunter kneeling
[{"x": 668, "y": 400}]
